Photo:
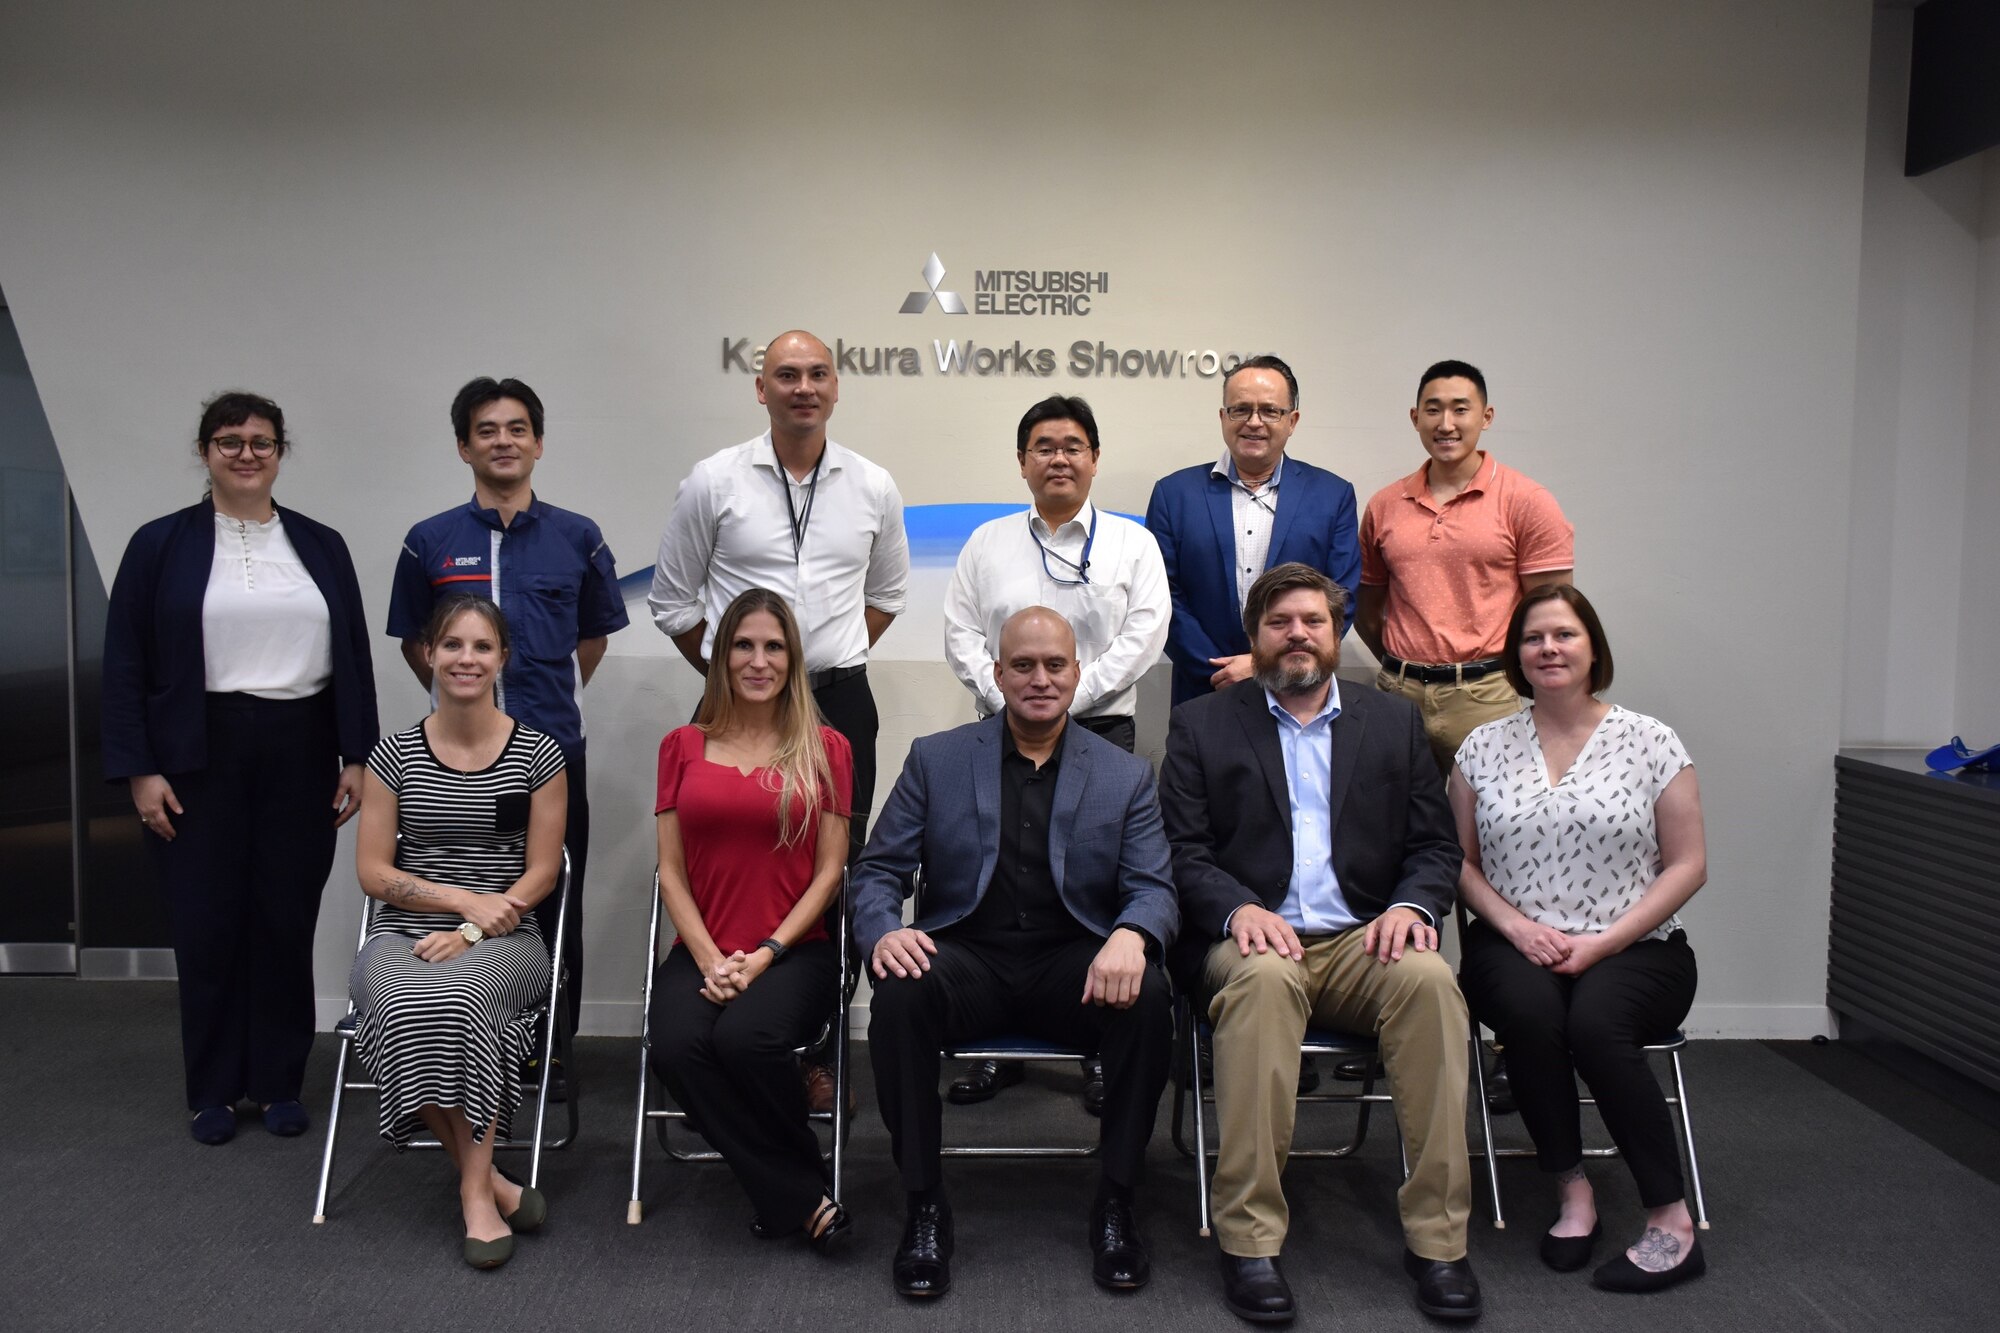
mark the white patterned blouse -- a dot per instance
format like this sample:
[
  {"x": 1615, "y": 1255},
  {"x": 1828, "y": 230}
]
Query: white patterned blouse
[{"x": 1578, "y": 854}]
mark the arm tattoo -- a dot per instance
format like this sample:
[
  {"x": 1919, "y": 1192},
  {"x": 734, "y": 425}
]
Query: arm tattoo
[
  {"x": 1657, "y": 1251},
  {"x": 405, "y": 891}
]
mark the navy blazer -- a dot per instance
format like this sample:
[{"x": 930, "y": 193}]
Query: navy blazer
[
  {"x": 1107, "y": 848},
  {"x": 1229, "y": 814},
  {"x": 1190, "y": 516},
  {"x": 155, "y": 672}
]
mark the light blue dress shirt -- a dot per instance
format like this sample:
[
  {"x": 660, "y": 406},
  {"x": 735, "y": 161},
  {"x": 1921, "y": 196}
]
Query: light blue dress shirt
[{"x": 1314, "y": 904}]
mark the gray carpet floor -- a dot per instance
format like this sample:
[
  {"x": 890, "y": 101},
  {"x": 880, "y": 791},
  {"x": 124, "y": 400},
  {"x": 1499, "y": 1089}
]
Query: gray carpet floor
[{"x": 1827, "y": 1215}]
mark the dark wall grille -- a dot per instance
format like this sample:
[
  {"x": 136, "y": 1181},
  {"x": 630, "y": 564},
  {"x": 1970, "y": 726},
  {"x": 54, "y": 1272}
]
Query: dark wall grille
[{"x": 1915, "y": 944}]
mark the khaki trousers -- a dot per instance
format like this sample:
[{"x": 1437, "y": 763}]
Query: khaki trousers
[
  {"x": 1451, "y": 710},
  {"x": 1260, "y": 1006}
]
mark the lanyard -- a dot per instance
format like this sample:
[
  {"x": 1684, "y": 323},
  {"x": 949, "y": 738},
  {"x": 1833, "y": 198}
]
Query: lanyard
[
  {"x": 800, "y": 518},
  {"x": 1081, "y": 566}
]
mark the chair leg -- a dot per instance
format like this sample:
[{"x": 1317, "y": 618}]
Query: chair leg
[
  {"x": 840, "y": 1077},
  {"x": 634, "y": 1209},
  {"x": 1486, "y": 1126},
  {"x": 1687, "y": 1138},
  {"x": 551, "y": 1019},
  {"x": 332, "y": 1128},
  {"x": 1200, "y": 1128}
]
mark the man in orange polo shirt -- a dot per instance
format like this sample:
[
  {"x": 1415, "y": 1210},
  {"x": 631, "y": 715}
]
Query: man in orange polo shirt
[{"x": 1445, "y": 554}]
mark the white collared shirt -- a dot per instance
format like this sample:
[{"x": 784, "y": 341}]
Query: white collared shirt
[
  {"x": 1255, "y": 513},
  {"x": 1120, "y": 616},
  {"x": 731, "y": 530}
]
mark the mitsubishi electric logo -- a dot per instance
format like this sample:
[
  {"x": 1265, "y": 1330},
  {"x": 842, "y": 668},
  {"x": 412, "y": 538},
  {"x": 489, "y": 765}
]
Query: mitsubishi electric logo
[
  {"x": 949, "y": 302},
  {"x": 1011, "y": 291}
]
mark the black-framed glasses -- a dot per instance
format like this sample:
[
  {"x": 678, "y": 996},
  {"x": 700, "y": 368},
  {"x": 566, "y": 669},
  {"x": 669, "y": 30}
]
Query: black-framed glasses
[
  {"x": 1265, "y": 413},
  {"x": 232, "y": 446}
]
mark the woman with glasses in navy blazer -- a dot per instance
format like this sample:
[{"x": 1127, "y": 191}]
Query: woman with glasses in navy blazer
[{"x": 239, "y": 703}]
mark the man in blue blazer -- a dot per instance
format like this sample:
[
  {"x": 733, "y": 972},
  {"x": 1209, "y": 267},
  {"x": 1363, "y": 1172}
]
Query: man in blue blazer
[
  {"x": 1045, "y": 911},
  {"x": 1221, "y": 525}
]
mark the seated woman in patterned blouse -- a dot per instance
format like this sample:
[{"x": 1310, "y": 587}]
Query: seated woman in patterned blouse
[
  {"x": 1582, "y": 831},
  {"x": 453, "y": 970}
]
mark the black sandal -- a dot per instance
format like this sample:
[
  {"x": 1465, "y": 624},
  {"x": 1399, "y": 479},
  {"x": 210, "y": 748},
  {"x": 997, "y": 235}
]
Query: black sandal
[{"x": 829, "y": 1227}]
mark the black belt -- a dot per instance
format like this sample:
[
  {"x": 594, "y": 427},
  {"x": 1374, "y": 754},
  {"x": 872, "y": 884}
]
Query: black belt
[
  {"x": 819, "y": 680},
  {"x": 1446, "y": 674}
]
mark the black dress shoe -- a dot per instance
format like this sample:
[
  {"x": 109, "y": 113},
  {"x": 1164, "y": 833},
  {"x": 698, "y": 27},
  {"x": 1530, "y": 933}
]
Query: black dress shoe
[
  {"x": 1308, "y": 1074},
  {"x": 1093, "y": 1086},
  {"x": 922, "y": 1267},
  {"x": 1357, "y": 1068},
  {"x": 1499, "y": 1090},
  {"x": 1446, "y": 1288},
  {"x": 982, "y": 1081},
  {"x": 1621, "y": 1274},
  {"x": 1566, "y": 1254},
  {"x": 1256, "y": 1290},
  {"x": 1119, "y": 1261}
]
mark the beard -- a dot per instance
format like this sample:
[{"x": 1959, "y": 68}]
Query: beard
[{"x": 1274, "y": 673}]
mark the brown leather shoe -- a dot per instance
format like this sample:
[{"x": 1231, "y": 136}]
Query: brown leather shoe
[{"x": 819, "y": 1090}]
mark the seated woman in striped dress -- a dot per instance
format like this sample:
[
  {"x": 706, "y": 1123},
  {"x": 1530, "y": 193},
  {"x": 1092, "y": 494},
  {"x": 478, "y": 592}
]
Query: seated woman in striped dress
[{"x": 453, "y": 968}]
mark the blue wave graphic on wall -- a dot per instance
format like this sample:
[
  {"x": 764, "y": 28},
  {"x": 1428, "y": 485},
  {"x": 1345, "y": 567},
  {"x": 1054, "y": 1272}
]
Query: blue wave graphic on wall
[{"x": 936, "y": 532}]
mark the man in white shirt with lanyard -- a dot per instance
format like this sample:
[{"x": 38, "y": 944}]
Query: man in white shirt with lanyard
[
  {"x": 795, "y": 512},
  {"x": 1103, "y": 573}
]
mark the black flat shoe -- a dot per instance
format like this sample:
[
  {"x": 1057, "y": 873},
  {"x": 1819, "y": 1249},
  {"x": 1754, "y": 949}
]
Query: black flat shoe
[
  {"x": 922, "y": 1267},
  {"x": 1255, "y": 1289},
  {"x": 1093, "y": 1086},
  {"x": 1119, "y": 1261},
  {"x": 287, "y": 1120},
  {"x": 1446, "y": 1288},
  {"x": 1621, "y": 1274},
  {"x": 1566, "y": 1254},
  {"x": 213, "y": 1125},
  {"x": 982, "y": 1081},
  {"x": 830, "y": 1228}
]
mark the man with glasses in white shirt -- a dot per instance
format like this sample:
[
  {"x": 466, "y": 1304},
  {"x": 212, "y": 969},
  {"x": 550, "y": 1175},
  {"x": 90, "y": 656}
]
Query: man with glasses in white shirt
[{"x": 1101, "y": 572}]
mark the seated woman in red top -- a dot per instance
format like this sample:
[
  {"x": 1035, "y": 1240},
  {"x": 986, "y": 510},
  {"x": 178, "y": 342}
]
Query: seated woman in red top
[{"x": 753, "y": 807}]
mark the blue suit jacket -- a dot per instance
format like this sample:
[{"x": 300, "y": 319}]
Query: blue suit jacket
[
  {"x": 1107, "y": 846},
  {"x": 155, "y": 674},
  {"x": 1190, "y": 517}
]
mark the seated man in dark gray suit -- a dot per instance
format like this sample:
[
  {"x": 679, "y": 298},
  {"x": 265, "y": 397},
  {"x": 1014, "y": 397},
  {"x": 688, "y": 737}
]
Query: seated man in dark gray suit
[
  {"x": 1046, "y": 906},
  {"x": 1316, "y": 858}
]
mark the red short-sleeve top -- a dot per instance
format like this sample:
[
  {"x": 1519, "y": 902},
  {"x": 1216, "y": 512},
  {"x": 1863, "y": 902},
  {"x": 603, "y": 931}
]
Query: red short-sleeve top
[{"x": 744, "y": 882}]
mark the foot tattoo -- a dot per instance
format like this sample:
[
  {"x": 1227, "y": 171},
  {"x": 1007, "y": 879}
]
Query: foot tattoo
[{"x": 1657, "y": 1251}]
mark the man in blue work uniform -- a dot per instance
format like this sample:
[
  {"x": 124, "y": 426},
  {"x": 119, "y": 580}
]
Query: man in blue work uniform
[{"x": 551, "y": 573}]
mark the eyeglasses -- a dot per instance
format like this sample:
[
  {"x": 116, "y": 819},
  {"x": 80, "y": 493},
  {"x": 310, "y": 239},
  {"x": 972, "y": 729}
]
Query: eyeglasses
[
  {"x": 232, "y": 446},
  {"x": 1069, "y": 453},
  {"x": 1266, "y": 413}
]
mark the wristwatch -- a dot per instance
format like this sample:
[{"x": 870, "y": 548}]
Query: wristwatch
[
  {"x": 777, "y": 950},
  {"x": 472, "y": 933}
]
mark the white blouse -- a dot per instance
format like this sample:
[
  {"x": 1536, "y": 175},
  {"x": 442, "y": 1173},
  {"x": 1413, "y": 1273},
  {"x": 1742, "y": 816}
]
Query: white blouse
[
  {"x": 1578, "y": 854},
  {"x": 264, "y": 623}
]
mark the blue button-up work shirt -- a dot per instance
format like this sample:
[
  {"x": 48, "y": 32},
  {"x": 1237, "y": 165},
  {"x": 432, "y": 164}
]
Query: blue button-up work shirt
[{"x": 1314, "y": 904}]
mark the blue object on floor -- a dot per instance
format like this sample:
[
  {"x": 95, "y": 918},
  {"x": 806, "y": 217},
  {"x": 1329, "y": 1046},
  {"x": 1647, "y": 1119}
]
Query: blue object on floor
[
  {"x": 287, "y": 1120},
  {"x": 1957, "y": 755}
]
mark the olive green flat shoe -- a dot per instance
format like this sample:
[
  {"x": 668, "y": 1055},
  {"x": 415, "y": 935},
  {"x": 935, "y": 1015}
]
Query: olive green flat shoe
[
  {"x": 534, "y": 1211},
  {"x": 488, "y": 1253}
]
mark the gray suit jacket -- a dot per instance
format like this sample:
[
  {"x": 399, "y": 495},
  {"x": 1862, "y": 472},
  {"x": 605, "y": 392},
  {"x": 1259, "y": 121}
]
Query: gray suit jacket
[{"x": 1107, "y": 847}]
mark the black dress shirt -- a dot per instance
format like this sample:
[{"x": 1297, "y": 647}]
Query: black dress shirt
[{"x": 1021, "y": 907}]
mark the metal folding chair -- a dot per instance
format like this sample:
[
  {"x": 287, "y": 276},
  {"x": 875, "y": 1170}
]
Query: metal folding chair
[
  {"x": 554, "y": 1042},
  {"x": 662, "y": 1117},
  {"x": 1028, "y": 1051},
  {"x": 1318, "y": 1041},
  {"x": 1670, "y": 1047}
]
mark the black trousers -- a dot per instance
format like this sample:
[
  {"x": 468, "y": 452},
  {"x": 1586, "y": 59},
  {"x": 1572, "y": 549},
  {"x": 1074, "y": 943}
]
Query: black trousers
[
  {"x": 1557, "y": 1027},
  {"x": 243, "y": 875},
  {"x": 849, "y": 708},
  {"x": 731, "y": 1068},
  {"x": 1122, "y": 732},
  {"x": 576, "y": 837},
  {"x": 981, "y": 988}
]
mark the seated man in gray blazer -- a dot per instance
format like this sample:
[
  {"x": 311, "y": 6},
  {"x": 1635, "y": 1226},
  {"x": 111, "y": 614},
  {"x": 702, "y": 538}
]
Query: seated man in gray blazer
[
  {"x": 1316, "y": 859},
  {"x": 1045, "y": 909}
]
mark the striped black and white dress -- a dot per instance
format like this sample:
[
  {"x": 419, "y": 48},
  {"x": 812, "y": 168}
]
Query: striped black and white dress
[{"x": 453, "y": 1033}]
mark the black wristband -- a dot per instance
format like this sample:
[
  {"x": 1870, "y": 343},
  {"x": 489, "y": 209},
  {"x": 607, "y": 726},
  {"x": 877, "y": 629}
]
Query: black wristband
[{"x": 777, "y": 950}]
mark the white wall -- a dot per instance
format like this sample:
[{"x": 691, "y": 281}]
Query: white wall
[{"x": 1645, "y": 222}]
